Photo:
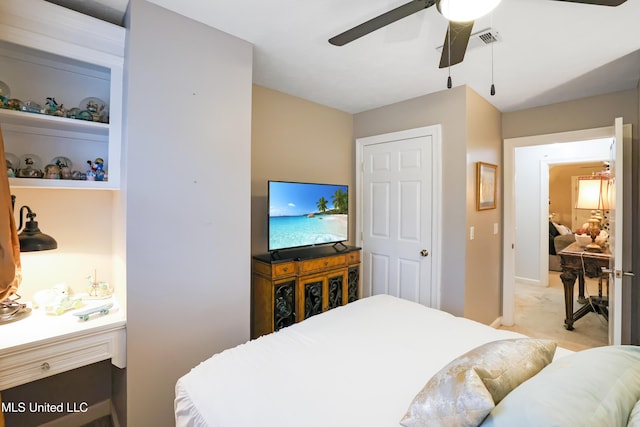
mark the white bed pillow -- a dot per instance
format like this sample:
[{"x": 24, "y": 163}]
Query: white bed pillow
[
  {"x": 465, "y": 391},
  {"x": 591, "y": 388}
]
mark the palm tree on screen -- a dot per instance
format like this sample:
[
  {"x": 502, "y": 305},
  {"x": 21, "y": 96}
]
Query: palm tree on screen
[
  {"x": 340, "y": 201},
  {"x": 322, "y": 204}
]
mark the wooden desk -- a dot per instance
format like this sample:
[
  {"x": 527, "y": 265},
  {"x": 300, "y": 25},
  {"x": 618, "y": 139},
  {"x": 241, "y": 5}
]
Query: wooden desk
[
  {"x": 575, "y": 260},
  {"x": 42, "y": 345}
]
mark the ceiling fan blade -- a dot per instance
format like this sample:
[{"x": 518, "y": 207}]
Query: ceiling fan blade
[
  {"x": 598, "y": 2},
  {"x": 460, "y": 33},
  {"x": 380, "y": 21}
]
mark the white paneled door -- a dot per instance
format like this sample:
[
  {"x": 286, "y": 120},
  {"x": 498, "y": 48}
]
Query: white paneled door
[{"x": 398, "y": 220}]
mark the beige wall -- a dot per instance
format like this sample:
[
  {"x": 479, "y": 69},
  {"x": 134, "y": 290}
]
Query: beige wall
[
  {"x": 296, "y": 140},
  {"x": 483, "y": 260},
  {"x": 292, "y": 137},
  {"x": 586, "y": 113},
  {"x": 449, "y": 109}
]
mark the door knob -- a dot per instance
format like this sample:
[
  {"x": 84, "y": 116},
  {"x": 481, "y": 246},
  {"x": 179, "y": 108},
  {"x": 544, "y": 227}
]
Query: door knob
[{"x": 424, "y": 252}]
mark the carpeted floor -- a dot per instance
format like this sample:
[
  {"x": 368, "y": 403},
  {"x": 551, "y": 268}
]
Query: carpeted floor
[{"x": 539, "y": 313}]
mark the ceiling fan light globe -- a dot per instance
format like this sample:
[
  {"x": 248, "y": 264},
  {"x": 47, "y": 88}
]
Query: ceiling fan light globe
[{"x": 465, "y": 10}]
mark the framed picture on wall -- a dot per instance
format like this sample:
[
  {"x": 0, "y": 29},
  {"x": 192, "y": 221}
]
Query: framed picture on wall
[{"x": 486, "y": 186}]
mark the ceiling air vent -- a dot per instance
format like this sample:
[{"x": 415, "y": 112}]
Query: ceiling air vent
[{"x": 480, "y": 38}]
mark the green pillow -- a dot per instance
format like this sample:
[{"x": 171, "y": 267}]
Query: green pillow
[{"x": 595, "y": 387}]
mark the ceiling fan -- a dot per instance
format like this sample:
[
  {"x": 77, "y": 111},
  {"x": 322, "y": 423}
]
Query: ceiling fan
[{"x": 459, "y": 31}]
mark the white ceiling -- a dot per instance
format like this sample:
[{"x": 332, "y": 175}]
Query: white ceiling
[{"x": 550, "y": 51}]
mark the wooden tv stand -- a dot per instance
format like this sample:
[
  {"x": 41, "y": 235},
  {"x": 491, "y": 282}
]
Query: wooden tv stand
[{"x": 296, "y": 284}]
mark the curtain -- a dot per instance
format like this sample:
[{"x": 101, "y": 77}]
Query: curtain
[{"x": 10, "y": 270}]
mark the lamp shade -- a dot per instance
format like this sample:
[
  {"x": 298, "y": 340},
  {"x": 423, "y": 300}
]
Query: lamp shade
[
  {"x": 30, "y": 237},
  {"x": 593, "y": 193},
  {"x": 465, "y": 10}
]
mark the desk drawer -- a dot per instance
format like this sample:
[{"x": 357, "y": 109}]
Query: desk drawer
[
  {"x": 33, "y": 364},
  {"x": 323, "y": 263}
]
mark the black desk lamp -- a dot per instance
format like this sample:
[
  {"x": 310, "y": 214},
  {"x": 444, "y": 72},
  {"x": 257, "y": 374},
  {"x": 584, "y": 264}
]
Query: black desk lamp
[{"x": 31, "y": 238}]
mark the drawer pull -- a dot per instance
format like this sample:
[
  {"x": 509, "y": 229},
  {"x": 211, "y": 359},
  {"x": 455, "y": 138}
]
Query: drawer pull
[
  {"x": 285, "y": 269},
  {"x": 326, "y": 263},
  {"x": 45, "y": 366}
]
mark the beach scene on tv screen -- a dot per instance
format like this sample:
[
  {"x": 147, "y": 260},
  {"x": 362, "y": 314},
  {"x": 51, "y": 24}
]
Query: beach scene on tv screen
[{"x": 303, "y": 214}]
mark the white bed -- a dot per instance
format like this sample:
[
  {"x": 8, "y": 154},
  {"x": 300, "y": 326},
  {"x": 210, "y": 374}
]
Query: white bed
[{"x": 357, "y": 365}]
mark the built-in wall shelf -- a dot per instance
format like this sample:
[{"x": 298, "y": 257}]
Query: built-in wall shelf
[
  {"x": 67, "y": 184},
  {"x": 45, "y": 121},
  {"x": 51, "y": 52}
]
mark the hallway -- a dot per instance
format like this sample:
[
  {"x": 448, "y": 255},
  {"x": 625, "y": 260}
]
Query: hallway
[{"x": 539, "y": 313}]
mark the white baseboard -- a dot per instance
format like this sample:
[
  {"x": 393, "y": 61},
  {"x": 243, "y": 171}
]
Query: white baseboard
[
  {"x": 526, "y": 281},
  {"x": 93, "y": 412}
]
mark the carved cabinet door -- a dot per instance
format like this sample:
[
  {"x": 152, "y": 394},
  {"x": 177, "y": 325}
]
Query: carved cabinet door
[{"x": 312, "y": 296}]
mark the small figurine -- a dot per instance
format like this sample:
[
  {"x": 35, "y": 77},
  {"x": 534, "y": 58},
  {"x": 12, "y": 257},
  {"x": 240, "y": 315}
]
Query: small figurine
[
  {"x": 95, "y": 109},
  {"x": 29, "y": 171},
  {"x": 102, "y": 309},
  {"x": 11, "y": 172},
  {"x": 96, "y": 170},
  {"x": 72, "y": 113},
  {"x": 78, "y": 176},
  {"x": 100, "y": 174},
  {"x": 65, "y": 169},
  {"x": 98, "y": 290},
  {"x": 31, "y": 107},
  {"x": 84, "y": 115},
  {"x": 56, "y": 300},
  {"x": 14, "y": 104},
  {"x": 52, "y": 108},
  {"x": 52, "y": 172}
]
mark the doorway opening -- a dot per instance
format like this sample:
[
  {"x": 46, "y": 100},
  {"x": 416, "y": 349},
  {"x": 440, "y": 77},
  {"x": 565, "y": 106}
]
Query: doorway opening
[
  {"x": 539, "y": 304},
  {"x": 526, "y": 241}
]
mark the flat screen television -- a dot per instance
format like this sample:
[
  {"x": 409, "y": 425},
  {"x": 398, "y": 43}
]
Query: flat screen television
[{"x": 307, "y": 214}]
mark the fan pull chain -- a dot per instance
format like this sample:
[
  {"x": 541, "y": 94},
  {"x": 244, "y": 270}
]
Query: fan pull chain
[
  {"x": 493, "y": 87},
  {"x": 449, "y": 82}
]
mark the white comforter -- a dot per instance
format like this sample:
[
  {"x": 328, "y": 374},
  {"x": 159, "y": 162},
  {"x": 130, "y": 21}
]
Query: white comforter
[{"x": 356, "y": 365}]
